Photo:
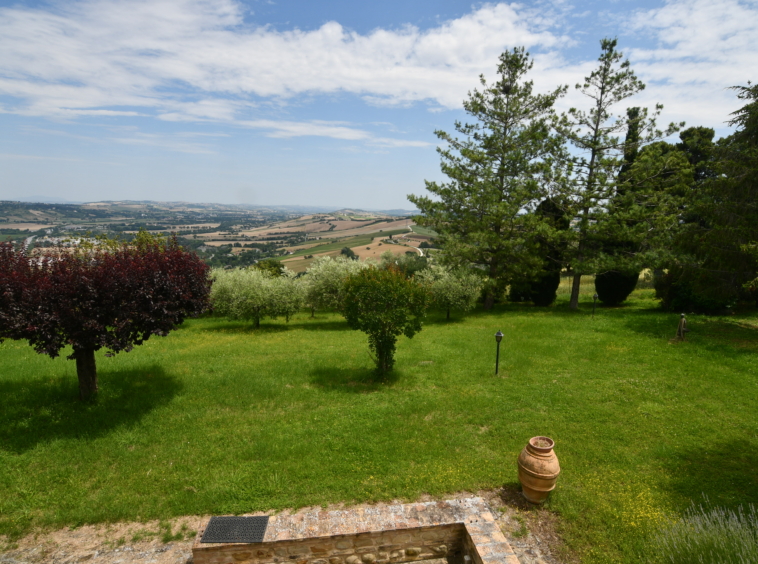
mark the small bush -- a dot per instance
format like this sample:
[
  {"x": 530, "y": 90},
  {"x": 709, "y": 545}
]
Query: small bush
[
  {"x": 384, "y": 304},
  {"x": 545, "y": 289},
  {"x": 542, "y": 291},
  {"x": 711, "y": 536},
  {"x": 613, "y": 287}
]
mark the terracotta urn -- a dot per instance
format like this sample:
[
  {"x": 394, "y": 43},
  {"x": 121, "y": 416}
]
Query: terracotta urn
[{"x": 538, "y": 469}]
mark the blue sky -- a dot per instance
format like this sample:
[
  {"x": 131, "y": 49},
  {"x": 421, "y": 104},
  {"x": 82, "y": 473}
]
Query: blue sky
[{"x": 329, "y": 103}]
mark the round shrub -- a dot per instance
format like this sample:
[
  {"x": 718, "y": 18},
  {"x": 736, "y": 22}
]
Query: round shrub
[
  {"x": 384, "y": 304},
  {"x": 613, "y": 287},
  {"x": 545, "y": 289}
]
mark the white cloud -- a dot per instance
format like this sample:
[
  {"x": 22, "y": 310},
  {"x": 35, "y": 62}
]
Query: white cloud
[
  {"x": 699, "y": 49},
  {"x": 165, "y": 142},
  {"x": 334, "y": 130},
  {"x": 196, "y": 60}
]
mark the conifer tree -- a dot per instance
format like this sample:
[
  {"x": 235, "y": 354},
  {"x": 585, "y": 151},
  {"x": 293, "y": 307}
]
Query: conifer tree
[
  {"x": 595, "y": 134},
  {"x": 505, "y": 163}
]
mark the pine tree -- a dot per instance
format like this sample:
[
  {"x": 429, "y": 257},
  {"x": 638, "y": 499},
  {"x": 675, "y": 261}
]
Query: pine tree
[
  {"x": 505, "y": 164},
  {"x": 595, "y": 134}
]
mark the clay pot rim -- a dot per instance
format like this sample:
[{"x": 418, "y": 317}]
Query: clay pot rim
[{"x": 545, "y": 449}]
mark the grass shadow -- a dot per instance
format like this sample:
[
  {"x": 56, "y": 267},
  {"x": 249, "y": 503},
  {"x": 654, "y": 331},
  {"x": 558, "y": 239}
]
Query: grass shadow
[
  {"x": 439, "y": 318},
  {"x": 652, "y": 322},
  {"x": 511, "y": 495},
  {"x": 724, "y": 472},
  {"x": 352, "y": 380},
  {"x": 317, "y": 325},
  {"x": 726, "y": 336},
  {"x": 41, "y": 411},
  {"x": 247, "y": 328}
]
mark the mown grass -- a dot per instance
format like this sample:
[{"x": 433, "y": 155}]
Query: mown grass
[{"x": 219, "y": 418}]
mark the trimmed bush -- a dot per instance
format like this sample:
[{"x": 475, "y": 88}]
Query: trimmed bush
[
  {"x": 613, "y": 287},
  {"x": 542, "y": 291},
  {"x": 545, "y": 289}
]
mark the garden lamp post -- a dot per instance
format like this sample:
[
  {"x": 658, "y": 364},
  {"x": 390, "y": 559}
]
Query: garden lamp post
[
  {"x": 498, "y": 338},
  {"x": 594, "y": 301}
]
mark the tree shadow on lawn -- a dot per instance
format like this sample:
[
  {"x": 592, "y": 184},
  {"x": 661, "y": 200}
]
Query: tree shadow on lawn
[
  {"x": 731, "y": 338},
  {"x": 723, "y": 472},
  {"x": 247, "y": 328},
  {"x": 45, "y": 410},
  {"x": 439, "y": 318},
  {"x": 352, "y": 380}
]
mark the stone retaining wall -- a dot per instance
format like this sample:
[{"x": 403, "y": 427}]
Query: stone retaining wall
[{"x": 463, "y": 531}]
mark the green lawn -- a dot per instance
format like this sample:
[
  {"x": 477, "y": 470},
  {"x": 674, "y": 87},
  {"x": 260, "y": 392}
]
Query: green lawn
[{"x": 220, "y": 418}]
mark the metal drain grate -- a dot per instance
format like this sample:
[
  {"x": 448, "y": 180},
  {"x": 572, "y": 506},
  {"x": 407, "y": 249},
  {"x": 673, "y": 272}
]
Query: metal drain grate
[{"x": 235, "y": 529}]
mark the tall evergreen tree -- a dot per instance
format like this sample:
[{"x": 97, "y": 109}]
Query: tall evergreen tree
[
  {"x": 613, "y": 283},
  {"x": 595, "y": 134},
  {"x": 506, "y": 162}
]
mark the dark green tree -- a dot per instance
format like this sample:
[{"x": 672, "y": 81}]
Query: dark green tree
[
  {"x": 722, "y": 223},
  {"x": 349, "y": 253},
  {"x": 505, "y": 163},
  {"x": 271, "y": 266},
  {"x": 542, "y": 289},
  {"x": 384, "y": 304}
]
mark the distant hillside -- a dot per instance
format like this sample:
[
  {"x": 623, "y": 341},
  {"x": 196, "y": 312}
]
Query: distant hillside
[{"x": 234, "y": 235}]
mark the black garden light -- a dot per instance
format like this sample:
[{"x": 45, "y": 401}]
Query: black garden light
[{"x": 498, "y": 338}]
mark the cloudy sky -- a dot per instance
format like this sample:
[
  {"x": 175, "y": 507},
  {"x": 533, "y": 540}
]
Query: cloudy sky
[{"x": 328, "y": 102}]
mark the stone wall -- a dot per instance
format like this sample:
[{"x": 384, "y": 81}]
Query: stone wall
[{"x": 463, "y": 531}]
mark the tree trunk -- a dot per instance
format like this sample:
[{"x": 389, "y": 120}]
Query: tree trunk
[
  {"x": 574, "y": 303},
  {"x": 493, "y": 286},
  {"x": 86, "y": 370},
  {"x": 448, "y": 314}
]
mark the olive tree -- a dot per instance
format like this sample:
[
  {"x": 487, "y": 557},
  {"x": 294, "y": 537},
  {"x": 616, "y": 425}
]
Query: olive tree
[
  {"x": 451, "y": 289},
  {"x": 324, "y": 281},
  {"x": 252, "y": 294}
]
